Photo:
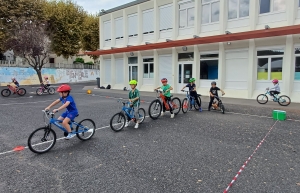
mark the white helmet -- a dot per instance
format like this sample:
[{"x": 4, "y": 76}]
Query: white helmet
[{"x": 13, "y": 78}]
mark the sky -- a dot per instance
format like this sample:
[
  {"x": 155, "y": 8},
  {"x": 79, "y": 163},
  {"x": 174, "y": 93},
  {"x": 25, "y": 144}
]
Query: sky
[{"x": 94, "y": 6}]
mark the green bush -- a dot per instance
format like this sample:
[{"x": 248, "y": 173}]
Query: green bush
[
  {"x": 79, "y": 60},
  {"x": 90, "y": 63}
]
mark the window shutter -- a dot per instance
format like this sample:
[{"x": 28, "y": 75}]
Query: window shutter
[
  {"x": 107, "y": 30},
  {"x": 148, "y": 21},
  {"x": 107, "y": 66},
  {"x": 119, "y": 27},
  {"x": 132, "y": 25},
  {"x": 119, "y": 71},
  {"x": 165, "y": 19}
]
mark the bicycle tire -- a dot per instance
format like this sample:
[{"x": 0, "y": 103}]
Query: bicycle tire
[
  {"x": 282, "y": 103},
  {"x": 222, "y": 108},
  {"x": 185, "y": 105},
  {"x": 144, "y": 115},
  {"x": 121, "y": 116},
  {"x": 39, "y": 91},
  {"x": 262, "y": 95},
  {"x": 51, "y": 90},
  {"x": 179, "y": 107},
  {"x": 31, "y": 146},
  {"x": 5, "y": 92},
  {"x": 157, "y": 104},
  {"x": 90, "y": 130},
  {"x": 21, "y": 91},
  {"x": 196, "y": 105}
]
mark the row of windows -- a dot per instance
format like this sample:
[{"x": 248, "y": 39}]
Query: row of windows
[
  {"x": 210, "y": 14},
  {"x": 269, "y": 65}
]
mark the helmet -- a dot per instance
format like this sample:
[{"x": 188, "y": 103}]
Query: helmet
[
  {"x": 13, "y": 78},
  {"x": 64, "y": 88},
  {"x": 163, "y": 80},
  {"x": 192, "y": 80},
  {"x": 214, "y": 83},
  {"x": 134, "y": 82},
  {"x": 275, "y": 81},
  {"x": 46, "y": 77}
]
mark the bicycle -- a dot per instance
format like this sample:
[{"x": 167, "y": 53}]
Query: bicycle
[
  {"x": 280, "y": 99},
  {"x": 126, "y": 112},
  {"x": 82, "y": 132},
  {"x": 161, "y": 100},
  {"x": 6, "y": 92},
  {"x": 43, "y": 89},
  {"x": 189, "y": 101},
  {"x": 218, "y": 104}
]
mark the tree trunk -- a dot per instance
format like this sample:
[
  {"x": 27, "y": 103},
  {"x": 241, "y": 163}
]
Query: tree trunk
[{"x": 39, "y": 73}]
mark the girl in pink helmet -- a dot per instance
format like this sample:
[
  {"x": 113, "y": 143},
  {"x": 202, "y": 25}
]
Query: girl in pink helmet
[
  {"x": 46, "y": 82},
  {"x": 275, "y": 89}
]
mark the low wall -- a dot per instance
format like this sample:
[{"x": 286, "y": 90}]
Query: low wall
[{"x": 28, "y": 76}]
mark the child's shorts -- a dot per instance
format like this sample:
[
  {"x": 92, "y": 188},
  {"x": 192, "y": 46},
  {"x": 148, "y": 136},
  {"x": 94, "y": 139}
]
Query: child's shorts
[{"x": 70, "y": 115}]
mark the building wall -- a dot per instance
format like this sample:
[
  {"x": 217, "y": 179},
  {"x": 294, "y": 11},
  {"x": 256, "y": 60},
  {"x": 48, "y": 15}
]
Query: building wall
[
  {"x": 236, "y": 65},
  {"x": 28, "y": 76}
]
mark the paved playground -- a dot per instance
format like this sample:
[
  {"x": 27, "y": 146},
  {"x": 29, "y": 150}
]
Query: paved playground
[{"x": 195, "y": 152}]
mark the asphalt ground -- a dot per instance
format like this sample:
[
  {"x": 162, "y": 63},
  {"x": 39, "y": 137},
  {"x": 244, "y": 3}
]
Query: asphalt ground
[{"x": 195, "y": 152}]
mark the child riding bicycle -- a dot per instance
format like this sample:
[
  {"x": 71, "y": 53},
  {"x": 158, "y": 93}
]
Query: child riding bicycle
[
  {"x": 68, "y": 103},
  {"x": 213, "y": 92},
  {"x": 193, "y": 92},
  {"x": 275, "y": 89},
  {"x": 166, "y": 91},
  {"x": 134, "y": 99},
  {"x": 46, "y": 82}
]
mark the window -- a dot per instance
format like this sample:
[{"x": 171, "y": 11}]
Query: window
[
  {"x": 132, "y": 60},
  {"x": 210, "y": 11},
  {"x": 189, "y": 56},
  {"x": 148, "y": 21},
  {"x": 267, "y": 6},
  {"x": 107, "y": 30},
  {"x": 269, "y": 64},
  {"x": 132, "y": 25},
  {"x": 297, "y": 64},
  {"x": 51, "y": 60},
  {"x": 209, "y": 66},
  {"x": 119, "y": 28},
  {"x": 186, "y": 14},
  {"x": 148, "y": 68},
  {"x": 238, "y": 9},
  {"x": 165, "y": 17}
]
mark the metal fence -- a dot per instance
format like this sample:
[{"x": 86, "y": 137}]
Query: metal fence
[{"x": 6, "y": 63}]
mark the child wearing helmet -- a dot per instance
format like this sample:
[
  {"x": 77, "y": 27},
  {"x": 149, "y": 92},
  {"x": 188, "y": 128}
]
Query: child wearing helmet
[
  {"x": 166, "y": 91},
  {"x": 276, "y": 88},
  {"x": 193, "y": 92},
  {"x": 134, "y": 99},
  {"x": 16, "y": 83},
  {"x": 46, "y": 82},
  {"x": 68, "y": 103},
  {"x": 213, "y": 92}
]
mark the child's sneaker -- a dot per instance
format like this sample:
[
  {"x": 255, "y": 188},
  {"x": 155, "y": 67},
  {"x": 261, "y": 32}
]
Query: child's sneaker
[
  {"x": 200, "y": 109},
  {"x": 172, "y": 115},
  {"x": 70, "y": 135},
  {"x": 126, "y": 124},
  {"x": 162, "y": 113},
  {"x": 136, "y": 126}
]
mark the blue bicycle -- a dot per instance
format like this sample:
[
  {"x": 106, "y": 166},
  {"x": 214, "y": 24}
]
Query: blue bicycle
[
  {"x": 117, "y": 122},
  {"x": 46, "y": 136},
  {"x": 283, "y": 100},
  {"x": 189, "y": 101}
]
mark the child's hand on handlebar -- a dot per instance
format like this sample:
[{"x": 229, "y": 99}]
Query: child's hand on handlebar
[{"x": 55, "y": 110}]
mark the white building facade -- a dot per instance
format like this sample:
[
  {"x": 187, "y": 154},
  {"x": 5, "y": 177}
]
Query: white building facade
[{"x": 242, "y": 68}]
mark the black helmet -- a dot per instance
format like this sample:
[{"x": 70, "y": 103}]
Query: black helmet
[{"x": 213, "y": 83}]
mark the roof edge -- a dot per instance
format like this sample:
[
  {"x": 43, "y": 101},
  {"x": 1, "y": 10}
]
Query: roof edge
[{"x": 130, "y": 4}]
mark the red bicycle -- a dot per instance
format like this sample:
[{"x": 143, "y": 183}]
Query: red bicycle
[
  {"x": 155, "y": 106},
  {"x": 6, "y": 92}
]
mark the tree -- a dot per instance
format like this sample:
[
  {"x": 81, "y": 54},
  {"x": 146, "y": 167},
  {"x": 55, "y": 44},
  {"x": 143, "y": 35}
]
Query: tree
[
  {"x": 90, "y": 34},
  {"x": 30, "y": 41},
  {"x": 65, "y": 20}
]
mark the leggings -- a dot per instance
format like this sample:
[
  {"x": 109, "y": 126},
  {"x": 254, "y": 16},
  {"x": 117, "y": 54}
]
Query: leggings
[
  {"x": 274, "y": 92},
  {"x": 194, "y": 94},
  {"x": 168, "y": 101}
]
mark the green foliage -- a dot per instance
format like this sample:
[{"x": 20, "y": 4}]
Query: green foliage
[
  {"x": 89, "y": 63},
  {"x": 79, "y": 60},
  {"x": 90, "y": 34}
]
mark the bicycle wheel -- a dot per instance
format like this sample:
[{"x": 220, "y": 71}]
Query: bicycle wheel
[
  {"x": 284, "y": 100},
  {"x": 85, "y": 129},
  {"x": 21, "y": 92},
  {"x": 262, "y": 99},
  {"x": 142, "y": 115},
  {"x": 5, "y": 92},
  {"x": 154, "y": 110},
  {"x": 222, "y": 108},
  {"x": 39, "y": 91},
  {"x": 51, "y": 90},
  {"x": 45, "y": 140},
  {"x": 119, "y": 124},
  {"x": 185, "y": 105},
  {"x": 196, "y": 105},
  {"x": 176, "y": 105}
]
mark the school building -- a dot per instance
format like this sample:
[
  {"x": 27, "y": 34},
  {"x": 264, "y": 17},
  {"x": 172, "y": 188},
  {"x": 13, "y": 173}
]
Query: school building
[{"x": 240, "y": 44}]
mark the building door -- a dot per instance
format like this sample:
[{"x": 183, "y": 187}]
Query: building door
[
  {"x": 133, "y": 72},
  {"x": 185, "y": 72}
]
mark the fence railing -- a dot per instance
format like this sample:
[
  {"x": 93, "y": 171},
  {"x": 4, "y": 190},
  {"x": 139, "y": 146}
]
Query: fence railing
[{"x": 6, "y": 63}]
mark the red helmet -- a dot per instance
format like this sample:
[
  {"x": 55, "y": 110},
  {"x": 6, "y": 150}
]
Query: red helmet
[
  {"x": 275, "y": 81},
  {"x": 64, "y": 88},
  {"x": 163, "y": 80}
]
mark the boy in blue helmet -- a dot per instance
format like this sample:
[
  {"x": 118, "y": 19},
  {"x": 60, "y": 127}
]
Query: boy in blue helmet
[{"x": 193, "y": 92}]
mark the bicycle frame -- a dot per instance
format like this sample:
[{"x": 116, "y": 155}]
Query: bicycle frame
[
  {"x": 12, "y": 88},
  {"x": 163, "y": 99},
  {"x": 129, "y": 111}
]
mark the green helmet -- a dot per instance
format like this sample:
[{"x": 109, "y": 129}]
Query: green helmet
[
  {"x": 192, "y": 79},
  {"x": 133, "y": 82}
]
